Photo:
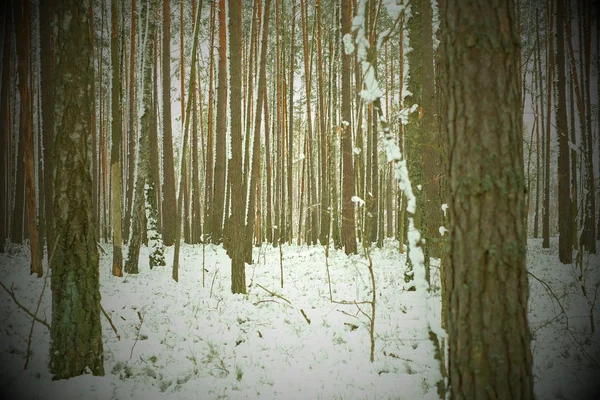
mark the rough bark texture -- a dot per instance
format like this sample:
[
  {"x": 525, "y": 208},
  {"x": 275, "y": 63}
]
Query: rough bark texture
[
  {"x": 220, "y": 161},
  {"x": 348, "y": 226},
  {"x": 169, "y": 204},
  {"x": 76, "y": 332},
  {"x": 238, "y": 203},
  {"x": 489, "y": 343}
]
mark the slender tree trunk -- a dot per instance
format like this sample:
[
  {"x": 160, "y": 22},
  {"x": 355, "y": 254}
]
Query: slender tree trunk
[
  {"x": 348, "y": 224},
  {"x": 549, "y": 79},
  {"x": 196, "y": 223},
  {"x": 220, "y": 161},
  {"x": 76, "y": 331},
  {"x": 323, "y": 135},
  {"x": 489, "y": 357},
  {"x": 5, "y": 130},
  {"x": 21, "y": 13},
  {"x": 131, "y": 134},
  {"x": 290, "y": 137},
  {"x": 115, "y": 162},
  {"x": 209, "y": 168},
  {"x": 169, "y": 212},
  {"x": 238, "y": 203},
  {"x": 536, "y": 219}
]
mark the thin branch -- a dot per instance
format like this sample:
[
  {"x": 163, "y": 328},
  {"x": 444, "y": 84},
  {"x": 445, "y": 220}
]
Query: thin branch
[
  {"x": 110, "y": 322},
  {"x": 272, "y": 293},
  {"x": 12, "y": 294}
]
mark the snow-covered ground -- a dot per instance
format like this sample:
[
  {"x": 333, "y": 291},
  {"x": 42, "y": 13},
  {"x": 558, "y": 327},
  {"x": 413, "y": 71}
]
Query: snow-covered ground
[{"x": 187, "y": 340}]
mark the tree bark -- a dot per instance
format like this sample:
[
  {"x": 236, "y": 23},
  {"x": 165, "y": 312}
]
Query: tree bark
[
  {"x": 115, "y": 154},
  {"x": 348, "y": 224},
  {"x": 238, "y": 203},
  {"x": 76, "y": 331},
  {"x": 220, "y": 160},
  {"x": 169, "y": 212},
  {"x": 490, "y": 355},
  {"x": 565, "y": 237},
  {"x": 21, "y": 14}
]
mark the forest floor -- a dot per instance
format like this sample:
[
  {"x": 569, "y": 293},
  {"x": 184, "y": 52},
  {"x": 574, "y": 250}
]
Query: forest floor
[{"x": 196, "y": 340}]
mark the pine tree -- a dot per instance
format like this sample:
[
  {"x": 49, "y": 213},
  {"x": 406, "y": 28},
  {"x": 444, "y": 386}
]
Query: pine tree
[{"x": 76, "y": 332}]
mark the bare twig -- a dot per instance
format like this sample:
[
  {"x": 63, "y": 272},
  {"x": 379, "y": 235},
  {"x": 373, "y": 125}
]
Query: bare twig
[
  {"x": 12, "y": 294},
  {"x": 110, "y": 322},
  {"x": 549, "y": 289},
  {"x": 213, "y": 282},
  {"x": 272, "y": 293},
  {"x": 347, "y": 302},
  {"x": 139, "y": 327},
  {"x": 304, "y": 315},
  {"x": 266, "y": 301}
]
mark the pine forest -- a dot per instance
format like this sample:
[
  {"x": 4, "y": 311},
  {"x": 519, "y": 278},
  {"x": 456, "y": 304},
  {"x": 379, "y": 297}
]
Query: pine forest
[{"x": 299, "y": 199}]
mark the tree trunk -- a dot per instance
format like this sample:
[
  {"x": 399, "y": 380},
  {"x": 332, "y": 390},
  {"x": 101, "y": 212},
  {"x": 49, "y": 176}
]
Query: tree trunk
[
  {"x": 5, "y": 131},
  {"x": 131, "y": 129},
  {"x": 76, "y": 331},
  {"x": 115, "y": 154},
  {"x": 549, "y": 79},
  {"x": 490, "y": 357},
  {"x": 209, "y": 168},
  {"x": 169, "y": 213},
  {"x": 348, "y": 225},
  {"x": 21, "y": 14},
  {"x": 220, "y": 160},
  {"x": 565, "y": 237},
  {"x": 46, "y": 76},
  {"x": 238, "y": 203},
  {"x": 289, "y": 151}
]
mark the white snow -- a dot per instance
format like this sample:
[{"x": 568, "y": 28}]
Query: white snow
[
  {"x": 444, "y": 207},
  {"x": 203, "y": 342},
  {"x": 358, "y": 200}
]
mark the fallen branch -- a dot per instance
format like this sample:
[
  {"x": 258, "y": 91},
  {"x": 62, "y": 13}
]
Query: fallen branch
[
  {"x": 110, "y": 322},
  {"x": 272, "y": 293},
  {"x": 304, "y": 315},
  {"x": 12, "y": 294},
  {"x": 265, "y": 301}
]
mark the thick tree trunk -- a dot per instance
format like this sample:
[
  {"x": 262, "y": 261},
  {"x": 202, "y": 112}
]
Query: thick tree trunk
[
  {"x": 76, "y": 332},
  {"x": 565, "y": 237},
  {"x": 489, "y": 356}
]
